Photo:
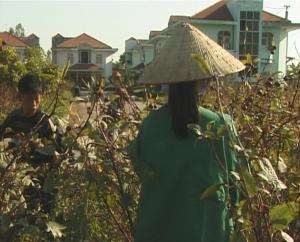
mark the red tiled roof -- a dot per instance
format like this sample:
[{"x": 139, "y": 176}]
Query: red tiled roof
[
  {"x": 12, "y": 40},
  {"x": 217, "y": 11},
  {"x": 269, "y": 17},
  {"x": 83, "y": 39},
  {"x": 85, "y": 66},
  {"x": 154, "y": 33}
]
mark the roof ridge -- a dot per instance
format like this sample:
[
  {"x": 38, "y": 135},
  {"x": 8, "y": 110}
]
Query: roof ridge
[
  {"x": 88, "y": 36},
  {"x": 218, "y": 4},
  {"x": 216, "y": 11}
]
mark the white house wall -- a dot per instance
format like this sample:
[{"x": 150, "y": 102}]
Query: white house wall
[
  {"x": 282, "y": 51},
  {"x": 136, "y": 58},
  {"x": 235, "y": 6},
  {"x": 149, "y": 54},
  {"x": 265, "y": 53},
  {"x": 130, "y": 44},
  {"x": 62, "y": 57},
  {"x": 108, "y": 69}
]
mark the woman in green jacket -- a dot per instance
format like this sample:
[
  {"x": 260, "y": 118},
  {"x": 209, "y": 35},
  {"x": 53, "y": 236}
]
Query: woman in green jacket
[{"x": 177, "y": 165}]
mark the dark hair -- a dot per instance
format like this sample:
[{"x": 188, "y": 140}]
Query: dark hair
[
  {"x": 29, "y": 84},
  {"x": 182, "y": 102}
]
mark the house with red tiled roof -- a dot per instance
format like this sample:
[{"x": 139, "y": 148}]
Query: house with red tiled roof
[
  {"x": 87, "y": 56},
  {"x": 19, "y": 43},
  {"x": 240, "y": 26}
]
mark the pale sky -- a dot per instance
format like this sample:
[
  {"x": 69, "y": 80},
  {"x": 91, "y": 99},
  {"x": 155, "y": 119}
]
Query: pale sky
[{"x": 114, "y": 21}]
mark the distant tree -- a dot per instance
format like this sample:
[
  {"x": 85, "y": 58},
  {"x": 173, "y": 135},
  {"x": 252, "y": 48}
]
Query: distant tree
[
  {"x": 49, "y": 55},
  {"x": 11, "y": 31},
  {"x": 18, "y": 31},
  {"x": 122, "y": 59}
]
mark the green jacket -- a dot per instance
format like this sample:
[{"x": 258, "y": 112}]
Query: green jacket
[{"x": 174, "y": 172}]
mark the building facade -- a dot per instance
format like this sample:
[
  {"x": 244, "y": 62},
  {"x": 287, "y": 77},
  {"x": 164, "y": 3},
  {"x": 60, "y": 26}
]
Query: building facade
[
  {"x": 240, "y": 26},
  {"x": 87, "y": 56}
]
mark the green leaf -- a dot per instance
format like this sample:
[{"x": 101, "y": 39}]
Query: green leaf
[
  {"x": 221, "y": 131},
  {"x": 210, "y": 191},
  {"x": 65, "y": 70},
  {"x": 55, "y": 228},
  {"x": 27, "y": 180},
  {"x": 281, "y": 215},
  {"x": 249, "y": 182},
  {"x": 49, "y": 151}
]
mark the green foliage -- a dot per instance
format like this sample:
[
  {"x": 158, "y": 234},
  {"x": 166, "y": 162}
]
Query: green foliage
[
  {"x": 281, "y": 215},
  {"x": 11, "y": 67},
  {"x": 18, "y": 30},
  {"x": 96, "y": 190},
  {"x": 36, "y": 62}
]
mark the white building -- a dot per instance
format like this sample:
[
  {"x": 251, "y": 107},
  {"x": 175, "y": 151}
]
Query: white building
[
  {"x": 240, "y": 26},
  {"x": 87, "y": 56}
]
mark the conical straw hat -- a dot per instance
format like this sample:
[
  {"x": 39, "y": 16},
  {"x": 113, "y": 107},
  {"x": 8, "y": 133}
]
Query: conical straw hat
[{"x": 176, "y": 60}]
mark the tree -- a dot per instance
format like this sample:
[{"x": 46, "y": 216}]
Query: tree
[
  {"x": 122, "y": 59},
  {"x": 11, "y": 67},
  {"x": 11, "y": 31},
  {"x": 38, "y": 63},
  {"x": 17, "y": 31},
  {"x": 35, "y": 61}
]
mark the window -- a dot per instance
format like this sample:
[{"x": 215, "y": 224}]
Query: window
[
  {"x": 98, "y": 58},
  {"x": 268, "y": 40},
  {"x": 224, "y": 39},
  {"x": 71, "y": 58},
  {"x": 249, "y": 34},
  {"x": 84, "y": 56}
]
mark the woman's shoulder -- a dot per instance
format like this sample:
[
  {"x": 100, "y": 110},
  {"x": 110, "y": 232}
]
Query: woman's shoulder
[
  {"x": 159, "y": 113},
  {"x": 208, "y": 115},
  {"x": 156, "y": 118}
]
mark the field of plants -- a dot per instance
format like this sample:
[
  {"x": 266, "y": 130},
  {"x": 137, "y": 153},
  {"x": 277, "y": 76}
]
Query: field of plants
[{"x": 95, "y": 187}]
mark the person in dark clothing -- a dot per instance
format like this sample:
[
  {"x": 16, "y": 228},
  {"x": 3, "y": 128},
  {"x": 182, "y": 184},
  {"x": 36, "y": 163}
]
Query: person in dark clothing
[
  {"x": 28, "y": 118},
  {"x": 24, "y": 123}
]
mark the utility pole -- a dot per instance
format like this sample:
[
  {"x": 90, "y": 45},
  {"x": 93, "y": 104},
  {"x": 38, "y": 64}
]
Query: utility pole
[
  {"x": 287, "y": 11},
  {"x": 287, "y": 38}
]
